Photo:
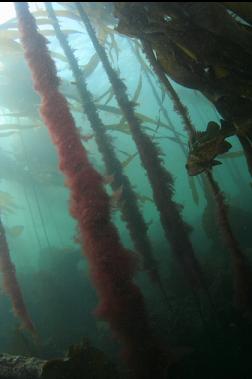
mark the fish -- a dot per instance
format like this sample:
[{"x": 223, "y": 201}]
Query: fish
[{"x": 205, "y": 146}]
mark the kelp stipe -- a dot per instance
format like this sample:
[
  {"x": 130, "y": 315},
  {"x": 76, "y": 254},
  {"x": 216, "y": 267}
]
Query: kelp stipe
[
  {"x": 10, "y": 283},
  {"x": 242, "y": 281},
  {"x": 128, "y": 200},
  {"x": 176, "y": 230},
  {"x": 111, "y": 265},
  {"x": 242, "y": 273},
  {"x": 240, "y": 267},
  {"x": 178, "y": 106},
  {"x": 177, "y": 137}
]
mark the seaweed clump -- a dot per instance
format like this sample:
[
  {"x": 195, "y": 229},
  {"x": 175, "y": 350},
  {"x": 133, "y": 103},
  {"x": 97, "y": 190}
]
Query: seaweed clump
[{"x": 83, "y": 361}]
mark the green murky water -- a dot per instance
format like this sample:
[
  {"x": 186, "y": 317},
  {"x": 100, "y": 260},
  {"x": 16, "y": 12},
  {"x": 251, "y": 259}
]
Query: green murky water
[{"x": 52, "y": 271}]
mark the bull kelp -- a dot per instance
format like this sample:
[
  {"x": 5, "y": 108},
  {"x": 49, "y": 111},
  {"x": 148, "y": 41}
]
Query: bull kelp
[{"x": 125, "y": 190}]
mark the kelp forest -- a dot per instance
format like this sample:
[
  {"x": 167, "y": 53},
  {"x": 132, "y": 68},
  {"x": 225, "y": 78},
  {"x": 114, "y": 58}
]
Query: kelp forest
[{"x": 125, "y": 189}]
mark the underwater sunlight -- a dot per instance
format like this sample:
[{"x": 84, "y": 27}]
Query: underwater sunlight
[
  {"x": 125, "y": 190},
  {"x": 7, "y": 11}
]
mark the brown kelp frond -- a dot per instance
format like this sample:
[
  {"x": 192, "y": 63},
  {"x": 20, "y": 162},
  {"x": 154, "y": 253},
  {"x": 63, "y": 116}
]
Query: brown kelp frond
[
  {"x": 178, "y": 106},
  {"x": 242, "y": 274},
  {"x": 10, "y": 283},
  {"x": 117, "y": 112},
  {"x": 142, "y": 117},
  {"x": 128, "y": 200},
  {"x": 197, "y": 50},
  {"x": 177, "y": 232}
]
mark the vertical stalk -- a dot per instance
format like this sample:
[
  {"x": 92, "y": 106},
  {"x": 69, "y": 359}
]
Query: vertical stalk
[
  {"x": 128, "y": 201},
  {"x": 176, "y": 230}
]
